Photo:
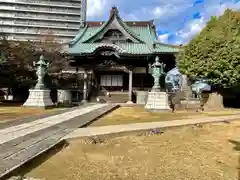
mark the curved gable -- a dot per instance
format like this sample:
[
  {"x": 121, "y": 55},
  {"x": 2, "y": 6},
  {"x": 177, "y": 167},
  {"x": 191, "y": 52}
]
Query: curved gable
[{"x": 114, "y": 23}]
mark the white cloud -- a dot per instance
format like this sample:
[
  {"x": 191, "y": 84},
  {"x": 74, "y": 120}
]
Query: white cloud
[
  {"x": 171, "y": 16},
  {"x": 130, "y": 16},
  {"x": 171, "y": 8},
  {"x": 97, "y": 8},
  {"x": 153, "y": 9},
  {"x": 163, "y": 38},
  {"x": 217, "y": 9},
  {"x": 193, "y": 27}
]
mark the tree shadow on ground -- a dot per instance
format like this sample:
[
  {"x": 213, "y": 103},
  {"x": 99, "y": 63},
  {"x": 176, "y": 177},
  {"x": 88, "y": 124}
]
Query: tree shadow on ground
[{"x": 237, "y": 148}]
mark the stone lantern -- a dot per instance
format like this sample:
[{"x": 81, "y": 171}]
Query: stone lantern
[
  {"x": 157, "y": 100},
  {"x": 40, "y": 95},
  {"x": 41, "y": 66},
  {"x": 157, "y": 71}
]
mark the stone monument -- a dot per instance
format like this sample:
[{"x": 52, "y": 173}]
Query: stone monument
[
  {"x": 157, "y": 100},
  {"x": 173, "y": 83},
  {"x": 64, "y": 96},
  {"x": 40, "y": 95},
  {"x": 198, "y": 87}
]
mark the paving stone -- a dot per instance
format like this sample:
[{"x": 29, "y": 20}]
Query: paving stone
[
  {"x": 27, "y": 128},
  {"x": 22, "y": 149},
  {"x": 16, "y": 122},
  {"x": 21, "y": 143}
]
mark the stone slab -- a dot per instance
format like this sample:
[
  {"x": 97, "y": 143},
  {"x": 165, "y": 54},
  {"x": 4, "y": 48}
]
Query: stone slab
[
  {"x": 25, "y": 148},
  {"x": 20, "y": 143},
  {"x": 142, "y": 97},
  {"x": 19, "y": 121},
  {"x": 64, "y": 96},
  {"x": 17, "y": 145},
  {"x": 14, "y": 161},
  {"x": 28, "y": 128}
]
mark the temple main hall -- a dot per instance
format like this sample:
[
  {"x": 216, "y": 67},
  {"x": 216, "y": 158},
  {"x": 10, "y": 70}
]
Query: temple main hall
[{"x": 115, "y": 56}]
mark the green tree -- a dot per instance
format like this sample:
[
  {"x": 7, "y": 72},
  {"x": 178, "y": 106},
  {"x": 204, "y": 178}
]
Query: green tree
[
  {"x": 52, "y": 50},
  {"x": 16, "y": 60},
  {"x": 215, "y": 53}
]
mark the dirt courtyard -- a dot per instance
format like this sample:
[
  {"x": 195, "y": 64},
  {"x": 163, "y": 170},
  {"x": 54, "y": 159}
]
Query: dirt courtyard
[
  {"x": 205, "y": 152},
  {"x": 138, "y": 114},
  {"x": 8, "y": 113}
]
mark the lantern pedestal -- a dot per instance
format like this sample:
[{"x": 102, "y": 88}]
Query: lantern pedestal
[
  {"x": 157, "y": 101},
  {"x": 39, "y": 98}
]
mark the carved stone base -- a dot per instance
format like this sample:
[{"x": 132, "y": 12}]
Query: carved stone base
[
  {"x": 39, "y": 98},
  {"x": 157, "y": 101}
]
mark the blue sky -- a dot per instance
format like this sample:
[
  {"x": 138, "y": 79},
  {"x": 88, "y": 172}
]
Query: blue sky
[{"x": 177, "y": 21}]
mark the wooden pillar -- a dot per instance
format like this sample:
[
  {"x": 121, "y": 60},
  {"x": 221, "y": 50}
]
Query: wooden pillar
[
  {"x": 130, "y": 87},
  {"x": 85, "y": 88}
]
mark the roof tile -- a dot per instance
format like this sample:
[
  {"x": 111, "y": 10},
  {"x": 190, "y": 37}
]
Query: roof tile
[{"x": 143, "y": 31}]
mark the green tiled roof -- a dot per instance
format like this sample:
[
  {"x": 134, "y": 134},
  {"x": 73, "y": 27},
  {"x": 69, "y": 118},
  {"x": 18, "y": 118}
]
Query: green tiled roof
[
  {"x": 122, "y": 48},
  {"x": 145, "y": 36},
  {"x": 103, "y": 29}
]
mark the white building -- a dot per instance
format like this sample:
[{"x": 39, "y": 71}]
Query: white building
[{"x": 28, "y": 19}]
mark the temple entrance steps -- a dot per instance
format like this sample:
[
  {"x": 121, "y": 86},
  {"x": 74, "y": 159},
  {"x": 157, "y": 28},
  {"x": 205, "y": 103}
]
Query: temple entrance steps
[{"x": 114, "y": 97}]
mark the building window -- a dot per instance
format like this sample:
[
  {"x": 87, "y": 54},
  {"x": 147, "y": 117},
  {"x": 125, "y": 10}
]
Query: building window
[{"x": 112, "y": 80}]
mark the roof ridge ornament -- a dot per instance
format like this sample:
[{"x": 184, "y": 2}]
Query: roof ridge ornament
[{"x": 114, "y": 11}]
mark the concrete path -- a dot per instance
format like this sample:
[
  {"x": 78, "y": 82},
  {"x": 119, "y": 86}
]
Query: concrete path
[
  {"x": 104, "y": 130},
  {"x": 23, "y": 142},
  {"x": 14, "y": 132}
]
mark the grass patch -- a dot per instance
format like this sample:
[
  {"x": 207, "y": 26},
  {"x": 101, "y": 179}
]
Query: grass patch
[
  {"x": 206, "y": 152},
  {"x": 10, "y": 113},
  {"x": 128, "y": 115}
]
